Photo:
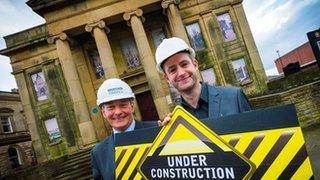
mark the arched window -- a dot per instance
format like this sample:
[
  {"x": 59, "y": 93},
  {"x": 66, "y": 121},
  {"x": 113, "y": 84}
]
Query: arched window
[{"x": 14, "y": 157}]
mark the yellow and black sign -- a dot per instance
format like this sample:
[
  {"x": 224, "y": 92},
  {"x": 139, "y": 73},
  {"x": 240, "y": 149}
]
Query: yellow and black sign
[
  {"x": 269, "y": 145},
  {"x": 186, "y": 149}
]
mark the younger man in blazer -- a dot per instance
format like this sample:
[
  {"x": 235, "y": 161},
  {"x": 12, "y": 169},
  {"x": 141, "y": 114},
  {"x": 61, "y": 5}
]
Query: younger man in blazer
[{"x": 177, "y": 61}]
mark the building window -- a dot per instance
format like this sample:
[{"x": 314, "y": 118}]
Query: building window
[
  {"x": 14, "y": 158},
  {"x": 130, "y": 53},
  {"x": 241, "y": 72},
  {"x": 157, "y": 36},
  {"x": 208, "y": 76},
  {"x": 226, "y": 27},
  {"x": 6, "y": 124},
  {"x": 195, "y": 36},
  {"x": 96, "y": 63},
  {"x": 40, "y": 86},
  {"x": 53, "y": 130}
]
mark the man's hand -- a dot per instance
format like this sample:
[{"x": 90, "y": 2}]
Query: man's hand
[{"x": 165, "y": 120}]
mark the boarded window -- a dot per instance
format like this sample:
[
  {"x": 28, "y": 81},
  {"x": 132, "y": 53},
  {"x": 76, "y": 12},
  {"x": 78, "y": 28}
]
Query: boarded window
[
  {"x": 53, "y": 130},
  {"x": 40, "y": 86},
  {"x": 241, "y": 71},
  {"x": 130, "y": 53},
  {"x": 195, "y": 36},
  {"x": 208, "y": 76},
  {"x": 96, "y": 63},
  {"x": 157, "y": 36},
  {"x": 226, "y": 27}
]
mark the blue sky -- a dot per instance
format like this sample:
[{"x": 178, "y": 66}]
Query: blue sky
[
  {"x": 276, "y": 25},
  {"x": 280, "y": 25}
]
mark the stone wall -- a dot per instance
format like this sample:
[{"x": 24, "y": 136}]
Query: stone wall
[
  {"x": 10, "y": 106},
  {"x": 40, "y": 171},
  {"x": 26, "y": 157},
  {"x": 306, "y": 99}
]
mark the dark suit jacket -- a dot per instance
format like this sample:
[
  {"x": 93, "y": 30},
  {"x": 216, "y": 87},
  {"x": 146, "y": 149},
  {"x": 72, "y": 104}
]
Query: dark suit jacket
[
  {"x": 102, "y": 155},
  {"x": 226, "y": 101}
]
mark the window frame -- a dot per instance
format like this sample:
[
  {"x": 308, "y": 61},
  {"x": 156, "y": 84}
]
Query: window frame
[
  {"x": 18, "y": 157},
  {"x": 34, "y": 88},
  {"x": 220, "y": 29},
  {"x": 9, "y": 123},
  {"x": 192, "y": 39},
  {"x": 247, "y": 79}
]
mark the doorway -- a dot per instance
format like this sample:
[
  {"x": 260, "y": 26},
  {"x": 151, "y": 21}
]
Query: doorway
[{"x": 147, "y": 108}]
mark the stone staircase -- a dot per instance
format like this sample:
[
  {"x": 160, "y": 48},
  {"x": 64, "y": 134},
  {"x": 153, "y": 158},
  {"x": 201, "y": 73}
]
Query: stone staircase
[{"x": 76, "y": 166}]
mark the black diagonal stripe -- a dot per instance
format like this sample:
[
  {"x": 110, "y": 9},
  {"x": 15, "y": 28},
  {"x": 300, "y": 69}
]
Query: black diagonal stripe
[
  {"x": 233, "y": 142},
  {"x": 123, "y": 152},
  {"x": 272, "y": 155},
  {"x": 312, "y": 177},
  {"x": 125, "y": 167},
  {"x": 294, "y": 164},
  {"x": 253, "y": 146},
  {"x": 135, "y": 171}
]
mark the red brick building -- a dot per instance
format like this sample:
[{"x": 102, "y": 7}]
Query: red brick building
[{"x": 302, "y": 54}]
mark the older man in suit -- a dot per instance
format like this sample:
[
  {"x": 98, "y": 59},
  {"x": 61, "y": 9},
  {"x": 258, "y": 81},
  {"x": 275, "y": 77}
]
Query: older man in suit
[{"x": 116, "y": 101}]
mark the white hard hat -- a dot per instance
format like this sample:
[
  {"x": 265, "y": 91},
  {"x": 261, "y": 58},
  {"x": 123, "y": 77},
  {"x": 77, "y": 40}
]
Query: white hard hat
[
  {"x": 169, "y": 47},
  {"x": 113, "y": 89}
]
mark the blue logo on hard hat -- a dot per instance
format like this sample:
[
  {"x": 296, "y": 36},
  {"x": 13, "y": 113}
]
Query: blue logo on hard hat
[{"x": 116, "y": 90}]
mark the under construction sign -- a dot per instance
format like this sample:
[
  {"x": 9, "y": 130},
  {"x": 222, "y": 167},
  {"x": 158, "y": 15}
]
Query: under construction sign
[
  {"x": 261, "y": 144},
  {"x": 187, "y": 149}
]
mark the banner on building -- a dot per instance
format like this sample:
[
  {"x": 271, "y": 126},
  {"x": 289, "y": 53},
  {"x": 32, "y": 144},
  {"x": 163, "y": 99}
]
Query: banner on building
[{"x": 260, "y": 144}]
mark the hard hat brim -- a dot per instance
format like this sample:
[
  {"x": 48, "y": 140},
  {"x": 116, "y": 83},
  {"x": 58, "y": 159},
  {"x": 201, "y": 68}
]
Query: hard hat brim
[
  {"x": 106, "y": 100},
  {"x": 188, "y": 50}
]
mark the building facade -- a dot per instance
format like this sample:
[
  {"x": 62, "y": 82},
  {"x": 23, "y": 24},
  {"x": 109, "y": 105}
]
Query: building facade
[
  {"x": 16, "y": 149},
  {"x": 303, "y": 55},
  {"x": 59, "y": 65}
]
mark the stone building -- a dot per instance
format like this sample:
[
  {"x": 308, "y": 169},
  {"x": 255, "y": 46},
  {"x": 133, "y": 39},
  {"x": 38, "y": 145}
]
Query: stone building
[
  {"x": 59, "y": 65},
  {"x": 16, "y": 150}
]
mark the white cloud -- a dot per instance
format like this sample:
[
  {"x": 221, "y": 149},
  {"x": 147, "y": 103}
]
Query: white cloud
[
  {"x": 15, "y": 16},
  {"x": 275, "y": 26},
  {"x": 270, "y": 16},
  {"x": 7, "y": 7},
  {"x": 272, "y": 71},
  {"x": 7, "y": 79}
]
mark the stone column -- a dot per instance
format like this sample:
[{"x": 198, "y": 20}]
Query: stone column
[
  {"x": 251, "y": 46},
  {"x": 74, "y": 88},
  {"x": 30, "y": 117},
  {"x": 175, "y": 21},
  {"x": 135, "y": 19},
  {"x": 98, "y": 30}
]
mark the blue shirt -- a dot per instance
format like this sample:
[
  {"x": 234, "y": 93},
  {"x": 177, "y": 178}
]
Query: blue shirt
[
  {"x": 130, "y": 128},
  {"x": 201, "y": 111}
]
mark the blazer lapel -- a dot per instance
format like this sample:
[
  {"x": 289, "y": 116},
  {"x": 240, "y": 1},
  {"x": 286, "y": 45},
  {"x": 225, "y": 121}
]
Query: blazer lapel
[
  {"x": 214, "y": 102},
  {"x": 110, "y": 151}
]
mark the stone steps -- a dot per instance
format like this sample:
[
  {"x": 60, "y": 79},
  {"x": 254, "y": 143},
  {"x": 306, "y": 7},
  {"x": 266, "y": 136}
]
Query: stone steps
[{"x": 76, "y": 166}]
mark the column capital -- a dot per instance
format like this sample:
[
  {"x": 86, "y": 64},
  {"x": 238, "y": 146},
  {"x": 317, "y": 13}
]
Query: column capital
[
  {"x": 97, "y": 24},
  {"x": 62, "y": 36},
  {"x": 165, "y": 3},
  {"x": 138, "y": 12}
]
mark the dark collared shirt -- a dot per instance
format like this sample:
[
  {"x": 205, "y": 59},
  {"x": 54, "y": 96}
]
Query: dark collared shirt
[{"x": 201, "y": 111}]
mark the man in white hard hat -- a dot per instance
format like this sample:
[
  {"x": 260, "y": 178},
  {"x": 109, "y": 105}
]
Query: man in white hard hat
[
  {"x": 176, "y": 59},
  {"x": 116, "y": 101}
]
